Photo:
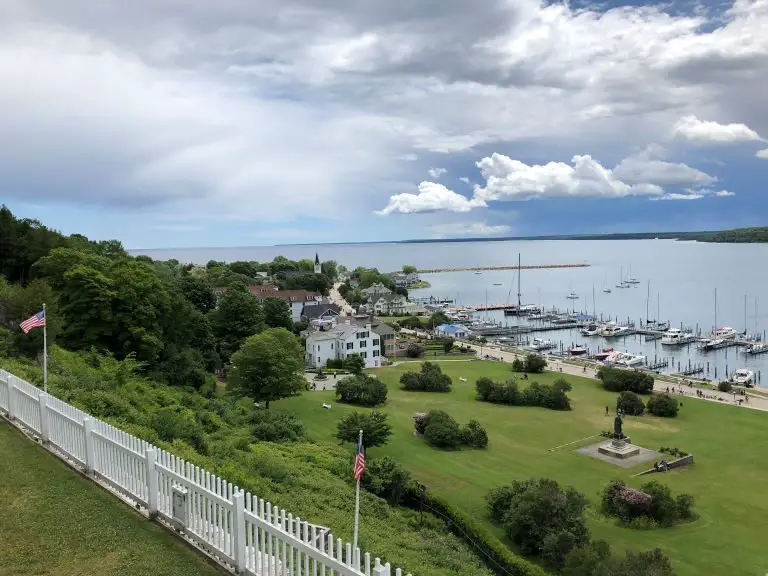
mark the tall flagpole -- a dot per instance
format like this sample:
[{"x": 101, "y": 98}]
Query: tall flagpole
[
  {"x": 45, "y": 349},
  {"x": 357, "y": 498}
]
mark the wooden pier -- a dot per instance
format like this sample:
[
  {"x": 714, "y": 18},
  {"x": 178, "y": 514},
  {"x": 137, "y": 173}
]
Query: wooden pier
[{"x": 512, "y": 267}]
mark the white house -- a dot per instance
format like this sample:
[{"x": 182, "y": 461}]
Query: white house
[
  {"x": 375, "y": 290},
  {"x": 341, "y": 341},
  {"x": 391, "y": 304}
]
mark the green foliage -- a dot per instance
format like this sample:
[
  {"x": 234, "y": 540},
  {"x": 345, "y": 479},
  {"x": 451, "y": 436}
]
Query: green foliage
[
  {"x": 540, "y": 517},
  {"x": 447, "y": 345},
  {"x": 595, "y": 559},
  {"x": 385, "y": 477},
  {"x": 442, "y": 431},
  {"x": 408, "y": 269},
  {"x": 518, "y": 365},
  {"x": 362, "y": 390},
  {"x": 724, "y": 386},
  {"x": 662, "y": 405},
  {"x": 646, "y": 508},
  {"x": 630, "y": 403},
  {"x": 198, "y": 292},
  {"x": 277, "y": 314},
  {"x": 376, "y": 429},
  {"x": 276, "y": 426},
  {"x": 620, "y": 380},
  {"x": 238, "y": 316},
  {"x": 534, "y": 363},
  {"x": 474, "y": 435},
  {"x": 354, "y": 363},
  {"x": 367, "y": 277},
  {"x": 411, "y": 322},
  {"x": 429, "y": 379},
  {"x": 414, "y": 350},
  {"x": 543, "y": 395},
  {"x": 177, "y": 423},
  {"x": 437, "y": 318},
  {"x": 267, "y": 367}
]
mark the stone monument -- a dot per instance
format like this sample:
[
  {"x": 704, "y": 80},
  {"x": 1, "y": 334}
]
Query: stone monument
[{"x": 619, "y": 447}]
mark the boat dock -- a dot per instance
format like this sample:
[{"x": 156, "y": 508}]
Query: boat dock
[{"x": 511, "y": 267}]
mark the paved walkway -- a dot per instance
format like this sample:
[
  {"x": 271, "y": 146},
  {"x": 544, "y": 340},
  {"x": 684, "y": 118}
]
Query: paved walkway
[
  {"x": 335, "y": 298},
  {"x": 753, "y": 400}
]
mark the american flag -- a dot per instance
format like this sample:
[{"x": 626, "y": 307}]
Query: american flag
[
  {"x": 359, "y": 460},
  {"x": 36, "y": 321}
]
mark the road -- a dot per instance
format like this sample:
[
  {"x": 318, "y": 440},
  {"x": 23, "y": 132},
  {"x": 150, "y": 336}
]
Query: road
[{"x": 335, "y": 298}]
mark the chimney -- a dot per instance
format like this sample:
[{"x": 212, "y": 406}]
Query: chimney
[{"x": 368, "y": 326}]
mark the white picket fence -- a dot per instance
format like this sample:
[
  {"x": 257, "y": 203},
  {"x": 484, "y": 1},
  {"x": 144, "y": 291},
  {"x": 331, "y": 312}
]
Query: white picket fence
[{"x": 241, "y": 530}]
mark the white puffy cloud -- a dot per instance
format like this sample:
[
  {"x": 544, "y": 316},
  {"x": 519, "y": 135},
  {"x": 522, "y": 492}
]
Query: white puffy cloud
[
  {"x": 436, "y": 172},
  {"x": 762, "y": 153},
  {"x": 431, "y": 197},
  {"x": 478, "y": 228},
  {"x": 464, "y": 179},
  {"x": 649, "y": 167},
  {"x": 708, "y": 132},
  {"x": 508, "y": 179}
]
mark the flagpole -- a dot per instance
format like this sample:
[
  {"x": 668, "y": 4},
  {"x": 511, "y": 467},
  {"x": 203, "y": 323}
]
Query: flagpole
[
  {"x": 357, "y": 501},
  {"x": 45, "y": 349}
]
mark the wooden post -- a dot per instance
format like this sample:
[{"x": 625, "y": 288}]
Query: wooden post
[
  {"x": 43, "y": 404},
  {"x": 239, "y": 531},
  {"x": 150, "y": 457},
  {"x": 89, "y": 458},
  {"x": 11, "y": 411}
]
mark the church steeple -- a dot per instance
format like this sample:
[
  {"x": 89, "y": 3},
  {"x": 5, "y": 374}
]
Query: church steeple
[{"x": 317, "y": 264}]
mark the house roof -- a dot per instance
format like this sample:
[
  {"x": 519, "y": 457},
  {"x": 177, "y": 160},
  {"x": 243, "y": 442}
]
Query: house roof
[
  {"x": 312, "y": 311},
  {"x": 452, "y": 328},
  {"x": 377, "y": 324},
  {"x": 262, "y": 291}
]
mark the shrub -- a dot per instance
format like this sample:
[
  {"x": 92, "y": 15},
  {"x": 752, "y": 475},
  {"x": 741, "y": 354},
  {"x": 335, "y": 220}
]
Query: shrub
[
  {"x": 498, "y": 393},
  {"x": 630, "y": 403},
  {"x": 663, "y": 508},
  {"x": 414, "y": 350},
  {"x": 619, "y": 380},
  {"x": 430, "y": 379},
  {"x": 386, "y": 478},
  {"x": 518, "y": 365},
  {"x": 362, "y": 390},
  {"x": 354, "y": 363},
  {"x": 724, "y": 386},
  {"x": 645, "y": 508},
  {"x": 419, "y": 422},
  {"x": 376, "y": 429},
  {"x": 447, "y": 345},
  {"x": 276, "y": 426},
  {"x": 562, "y": 384},
  {"x": 534, "y": 363},
  {"x": 546, "y": 396},
  {"x": 542, "y": 518},
  {"x": 595, "y": 559},
  {"x": 475, "y": 435},
  {"x": 174, "y": 423},
  {"x": 334, "y": 363},
  {"x": 442, "y": 431},
  {"x": 684, "y": 505},
  {"x": 662, "y": 405}
]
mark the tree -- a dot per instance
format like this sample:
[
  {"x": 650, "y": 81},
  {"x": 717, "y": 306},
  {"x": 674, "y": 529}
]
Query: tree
[
  {"x": 238, "y": 316},
  {"x": 630, "y": 403},
  {"x": 277, "y": 314},
  {"x": 474, "y": 435},
  {"x": 267, "y": 366},
  {"x": 354, "y": 363},
  {"x": 330, "y": 269},
  {"x": 662, "y": 405},
  {"x": 199, "y": 293},
  {"x": 534, "y": 363},
  {"x": 276, "y": 426},
  {"x": 429, "y": 379},
  {"x": 362, "y": 390},
  {"x": 442, "y": 431},
  {"x": 438, "y": 318},
  {"x": 619, "y": 380},
  {"x": 386, "y": 478},
  {"x": 408, "y": 269},
  {"x": 447, "y": 345},
  {"x": 414, "y": 350},
  {"x": 402, "y": 291},
  {"x": 376, "y": 429}
]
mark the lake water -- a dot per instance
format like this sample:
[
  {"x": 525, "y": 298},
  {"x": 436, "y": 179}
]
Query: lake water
[{"x": 683, "y": 277}]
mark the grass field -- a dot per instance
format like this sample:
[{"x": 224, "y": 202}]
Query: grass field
[
  {"x": 729, "y": 443},
  {"x": 55, "y": 522}
]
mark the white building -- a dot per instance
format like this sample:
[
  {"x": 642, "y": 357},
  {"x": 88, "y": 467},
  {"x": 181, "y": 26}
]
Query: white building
[
  {"x": 341, "y": 341},
  {"x": 389, "y": 304}
]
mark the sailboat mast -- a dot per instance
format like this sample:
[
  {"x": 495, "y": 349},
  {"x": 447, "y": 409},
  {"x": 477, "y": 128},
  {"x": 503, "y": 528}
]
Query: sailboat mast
[
  {"x": 715, "y": 328},
  {"x": 594, "y": 308},
  {"x": 658, "y": 308},
  {"x": 648, "y": 301},
  {"x": 519, "y": 271},
  {"x": 745, "y": 314}
]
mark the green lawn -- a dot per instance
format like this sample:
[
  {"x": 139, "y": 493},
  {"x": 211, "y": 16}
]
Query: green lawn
[
  {"x": 729, "y": 443},
  {"x": 55, "y": 522}
]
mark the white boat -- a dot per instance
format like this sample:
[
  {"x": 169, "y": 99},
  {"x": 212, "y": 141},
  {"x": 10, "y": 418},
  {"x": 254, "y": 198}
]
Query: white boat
[
  {"x": 632, "y": 279},
  {"x": 572, "y": 295},
  {"x": 607, "y": 290},
  {"x": 497, "y": 283},
  {"x": 676, "y": 337},
  {"x": 539, "y": 344},
  {"x": 725, "y": 333},
  {"x": 478, "y": 272},
  {"x": 627, "y": 359},
  {"x": 743, "y": 377},
  {"x": 756, "y": 348},
  {"x": 590, "y": 330},
  {"x": 612, "y": 330}
]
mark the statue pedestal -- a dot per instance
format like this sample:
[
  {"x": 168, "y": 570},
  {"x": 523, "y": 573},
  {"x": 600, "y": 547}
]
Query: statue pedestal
[{"x": 619, "y": 448}]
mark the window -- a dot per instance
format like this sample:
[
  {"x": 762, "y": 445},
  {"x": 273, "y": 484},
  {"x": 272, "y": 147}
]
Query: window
[
  {"x": 363, "y": 344},
  {"x": 318, "y": 347},
  {"x": 364, "y": 354},
  {"x": 375, "y": 353},
  {"x": 376, "y": 342},
  {"x": 350, "y": 345}
]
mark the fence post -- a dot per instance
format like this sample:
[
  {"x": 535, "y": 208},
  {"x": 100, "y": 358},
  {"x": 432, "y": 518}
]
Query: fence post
[
  {"x": 11, "y": 411},
  {"x": 150, "y": 457},
  {"x": 88, "y": 430},
  {"x": 381, "y": 570},
  {"x": 239, "y": 531},
  {"x": 43, "y": 403}
]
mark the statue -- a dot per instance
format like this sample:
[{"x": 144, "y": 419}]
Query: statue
[{"x": 617, "y": 432}]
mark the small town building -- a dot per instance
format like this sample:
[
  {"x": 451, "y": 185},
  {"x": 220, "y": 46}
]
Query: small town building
[
  {"x": 340, "y": 341},
  {"x": 452, "y": 331}
]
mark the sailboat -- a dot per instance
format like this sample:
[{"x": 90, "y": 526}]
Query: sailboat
[
  {"x": 621, "y": 283},
  {"x": 606, "y": 289},
  {"x": 519, "y": 309},
  {"x": 631, "y": 279}
]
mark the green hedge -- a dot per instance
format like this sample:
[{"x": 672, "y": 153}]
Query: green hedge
[{"x": 496, "y": 555}]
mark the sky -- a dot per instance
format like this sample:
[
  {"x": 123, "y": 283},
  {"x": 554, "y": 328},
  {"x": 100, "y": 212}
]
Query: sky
[{"x": 183, "y": 123}]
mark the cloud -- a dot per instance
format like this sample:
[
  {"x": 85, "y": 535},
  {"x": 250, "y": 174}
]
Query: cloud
[
  {"x": 724, "y": 193},
  {"x": 649, "y": 167},
  {"x": 464, "y": 179},
  {"x": 508, "y": 179},
  {"x": 707, "y": 132},
  {"x": 436, "y": 172},
  {"x": 678, "y": 196},
  {"x": 762, "y": 153},
  {"x": 431, "y": 197},
  {"x": 696, "y": 194},
  {"x": 468, "y": 229}
]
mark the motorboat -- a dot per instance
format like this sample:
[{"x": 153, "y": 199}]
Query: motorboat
[
  {"x": 622, "y": 284},
  {"x": 539, "y": 344},
  {"x": 590, "y": 329},
  {"x": 626, "y": 359},
  {"x": 497, "y": 283},
  {"x": 725, "y": 333},
  {"x": 607, "y": 290},
  {"x": 478, "y": 272},
  {"x": 577, "y": 351},
  {"x": 572, "y": 295},
  {"x": 612, "y": 330},
  {"x": 756, "y": 348},
  {"x": 743, "y": 377},
  {"x": 522, "y": 310},
  {"x": 676, "y": 337},
  {"x": 632, "y": 280},
  {"x": 602, "y": 355}
]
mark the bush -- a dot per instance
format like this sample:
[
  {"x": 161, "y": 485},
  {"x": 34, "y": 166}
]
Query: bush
[
  {"x": 542, "y": 518},
  {"x": 518, "y": 365},
  {"x": 595, "y": 559},
  {"x": 354, "y": 363},
  {"x": 334, "y": 363},
  {"x": 361, "y": 390},
  {"x": 534, "y": 363},
  {"x": 276, "y": 426},
  {"x": 386, "y": 478},
  {"x": 562, "y": 384},
  {"x": 447, "y": 345},
  {"x": 174, "y": 423},
  {"x": 414, "y": 350},
  {"x": 419, "y": 422},
  {"x": 545, "y": 396},
  {"x": 376, "y": 429},
  {"x": 475, "y": 435},
  {"x": 442, "y": 431},
  {"x": 430, "y": 379},
  {"x": 684, "y": 505},
  {"x": 645, "y": 508},
  {"x": 662, "y": 405},
  {"x": 663, "y": 507},
  {"x": 724, "y": 386},
  {"x": 619, "y": 380},
  {"x": 630, "y": 403}
]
